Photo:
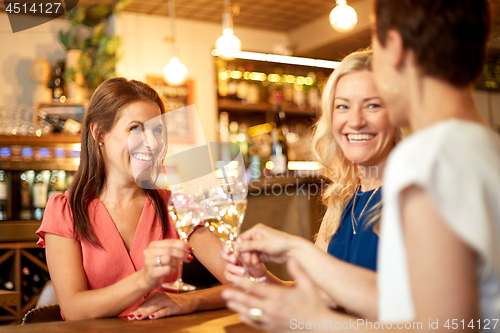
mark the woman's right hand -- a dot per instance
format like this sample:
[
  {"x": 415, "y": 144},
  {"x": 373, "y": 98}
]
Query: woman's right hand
[
  {"x": 242, "y": 264},
  {"x": 268, "y": 243},
  {"x": 170, "y": 252}
]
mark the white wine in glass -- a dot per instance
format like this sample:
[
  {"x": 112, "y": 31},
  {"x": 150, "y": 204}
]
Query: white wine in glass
[
  {"x": 186, "y": 216},
  {"x": 227, "y": 212}
]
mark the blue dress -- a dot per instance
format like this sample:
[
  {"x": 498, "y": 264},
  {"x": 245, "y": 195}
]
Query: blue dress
[{"x": 360, "y": 248}]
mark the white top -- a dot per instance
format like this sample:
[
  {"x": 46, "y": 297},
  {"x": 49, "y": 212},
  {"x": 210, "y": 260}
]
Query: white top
[{"x": 458, "y": 164}]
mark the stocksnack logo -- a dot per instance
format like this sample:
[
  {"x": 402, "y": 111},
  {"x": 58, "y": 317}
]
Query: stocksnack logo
[{"x": 28, "y": 14}]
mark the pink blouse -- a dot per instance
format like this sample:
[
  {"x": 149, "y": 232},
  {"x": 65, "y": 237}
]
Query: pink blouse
[{"x": 112, "y": 262}]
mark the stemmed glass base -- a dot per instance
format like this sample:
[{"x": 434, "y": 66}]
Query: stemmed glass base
[{"x": 179, "y": 284}]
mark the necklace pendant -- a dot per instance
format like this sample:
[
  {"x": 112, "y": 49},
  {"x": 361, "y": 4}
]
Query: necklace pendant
[{"x": 354, "y": 232}]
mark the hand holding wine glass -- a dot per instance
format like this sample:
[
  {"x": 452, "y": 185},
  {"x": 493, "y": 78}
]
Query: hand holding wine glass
[
  {"x": 186, "y": 214},
  {"x": 226, "y": 206}
]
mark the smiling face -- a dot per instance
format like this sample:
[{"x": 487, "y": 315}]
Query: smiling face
[
  {"x": 134, "y": 143},
  {"x": 360, "y": 122}
]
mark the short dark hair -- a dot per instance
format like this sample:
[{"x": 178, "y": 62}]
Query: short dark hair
[{"x": 448, "y": 37}]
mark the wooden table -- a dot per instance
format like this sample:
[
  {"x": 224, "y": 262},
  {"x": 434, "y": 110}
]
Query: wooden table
[
  {"x": 217, "y": 321},
  {"x": 9, "y": 298}
]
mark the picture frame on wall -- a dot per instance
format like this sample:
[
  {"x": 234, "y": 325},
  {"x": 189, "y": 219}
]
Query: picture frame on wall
[{"x": 180, "y": 126}]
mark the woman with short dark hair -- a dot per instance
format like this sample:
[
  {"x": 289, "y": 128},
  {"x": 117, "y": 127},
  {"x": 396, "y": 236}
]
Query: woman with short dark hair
[{"x": 439, "y": 254}]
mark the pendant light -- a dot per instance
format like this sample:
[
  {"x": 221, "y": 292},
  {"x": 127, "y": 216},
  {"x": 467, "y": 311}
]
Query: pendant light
[
  {"x": 175, "y": 72},
  {"x": 343, "y": 17},
  {"x": 228, "y": 44}
]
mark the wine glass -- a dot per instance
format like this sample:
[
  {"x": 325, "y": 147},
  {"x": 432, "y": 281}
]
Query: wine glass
[
  {"x": 226, "y": 207},
  {"x": 186, "y": 214}
]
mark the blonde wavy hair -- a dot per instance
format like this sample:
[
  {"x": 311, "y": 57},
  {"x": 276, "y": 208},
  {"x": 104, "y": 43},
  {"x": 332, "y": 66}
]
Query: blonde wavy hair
[{"x": 342, "y": 184}]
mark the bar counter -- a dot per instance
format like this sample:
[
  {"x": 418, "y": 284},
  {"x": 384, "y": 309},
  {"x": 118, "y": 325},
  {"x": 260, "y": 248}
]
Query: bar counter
[
  {"x": 217, "y": 321},
  {"x": 289, "y": 203}
]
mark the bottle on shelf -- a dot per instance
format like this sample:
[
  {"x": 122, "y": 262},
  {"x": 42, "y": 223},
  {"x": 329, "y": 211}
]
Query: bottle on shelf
[
  {"x": 33, "y": 278},
  {"x": 8, "y": 284},
  {"x": 58, "y": 92},
  {"x": 70, "y": 175},
  {"x": 242, "y": 139},
  {"x": 288, "y": 93},
  {"x": 4, "y": 190},
  {"x": 233, "y": 138},
  {"x": 25, "y": 213},
  {"x": 299, "y": 97},
  {"x": 7, "y": 275},
  {"x": 279, "y": 149},
  {"x": 242, "y": 91},
  {"x": 39, "y": 195},
  {"x": 253, "y": 93},
  {"x": 69, "y": 125},
  {"x": 56, "y": 185},
  {"x": 255, "y": 160}
]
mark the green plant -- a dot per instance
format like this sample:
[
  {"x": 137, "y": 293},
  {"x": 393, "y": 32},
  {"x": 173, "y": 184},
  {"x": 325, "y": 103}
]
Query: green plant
[
  {"x": 89, "y": 32},
  {"x": 490, "y": 76}
]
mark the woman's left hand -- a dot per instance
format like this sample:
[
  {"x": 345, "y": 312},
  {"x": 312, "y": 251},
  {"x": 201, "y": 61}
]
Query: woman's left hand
[
  {"x": 161, "y": 304},
  {"x": 280, "y": 307}
]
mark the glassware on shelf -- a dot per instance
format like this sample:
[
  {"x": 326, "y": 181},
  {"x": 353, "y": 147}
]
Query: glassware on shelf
[{"x": 16, "y": 120}]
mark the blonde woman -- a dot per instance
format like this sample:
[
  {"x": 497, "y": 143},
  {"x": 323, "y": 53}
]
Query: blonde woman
[
  {"x": 352, "y": 141},
  {"x": 439, "y": 255}
]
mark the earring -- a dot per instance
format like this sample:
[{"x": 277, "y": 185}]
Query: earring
[{"x": 101, "y": 144}]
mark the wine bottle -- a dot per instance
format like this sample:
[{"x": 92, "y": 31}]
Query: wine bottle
[
  {"x": 9, "y": 285},
  {"x": 69, "y": 125},
  {"x": 233, "y": 139},
  {"x": 242, "y": 139},
  {"x": 279, "y": 150},
  {"x": 39, "y": 196},
  {"x": 54, "y": 186},
  {"x": 25, "y": 213},
  {"x": 69, "y": 179},
  {"x": 58, "y": 92},
  {"x": 3, "y": 196}
]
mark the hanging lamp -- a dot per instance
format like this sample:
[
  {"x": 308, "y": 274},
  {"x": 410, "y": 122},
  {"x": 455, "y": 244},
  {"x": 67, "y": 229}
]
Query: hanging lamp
[
  {"x": 175, "y": 72},
  {"x": 228, "y": 44},
  {"x": 343, "y": 17}
]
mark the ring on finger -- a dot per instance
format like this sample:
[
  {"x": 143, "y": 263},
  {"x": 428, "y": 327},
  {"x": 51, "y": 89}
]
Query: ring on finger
[
  {"x": 158, "y": 261},
  {"x": 256, "y": 314}
]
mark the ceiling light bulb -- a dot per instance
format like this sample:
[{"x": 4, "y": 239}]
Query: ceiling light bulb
[
  {"x": 227, "y": 45},
  {"x": 343, "y": 17},
  {"x": 175, "y": 72}
]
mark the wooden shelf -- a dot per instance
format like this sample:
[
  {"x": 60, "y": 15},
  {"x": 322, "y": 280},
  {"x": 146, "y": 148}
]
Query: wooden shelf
[
  {"x": 14, "y": 257},
  {"x": 225, "y": 105},
  {"x": 19, "y": 231},
  {"x": 44, "y": 139}
]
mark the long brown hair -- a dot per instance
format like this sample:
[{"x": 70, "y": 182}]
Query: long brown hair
[{"x": 104, "y": 110}]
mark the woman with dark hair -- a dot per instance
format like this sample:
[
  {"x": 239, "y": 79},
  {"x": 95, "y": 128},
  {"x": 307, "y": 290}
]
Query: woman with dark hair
[
  {"x": 109, "y": 242},
  {"x": 439, "y": 253},
  {"x": 439, "y": 256}
]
